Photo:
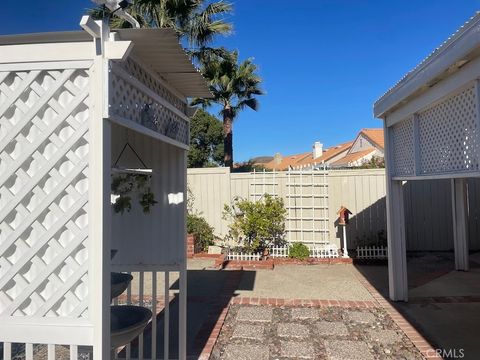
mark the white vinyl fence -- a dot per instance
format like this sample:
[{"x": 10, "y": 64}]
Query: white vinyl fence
[{"x": 428, "y": 214}]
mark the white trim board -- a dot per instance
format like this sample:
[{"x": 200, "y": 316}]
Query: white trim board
[{"x": 447, "y": 87}]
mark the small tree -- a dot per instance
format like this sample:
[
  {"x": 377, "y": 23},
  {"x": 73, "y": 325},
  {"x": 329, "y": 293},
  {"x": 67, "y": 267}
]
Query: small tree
[
  {"x": 206, "y": 140},
  {"x": 197, "y": 225},
  {"x": 256, "y": 224}
]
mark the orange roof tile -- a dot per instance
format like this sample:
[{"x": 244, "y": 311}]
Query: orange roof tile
[
  {"x": 346, "y": 160},
  {"x": 327, "y": 154},
  {"x": 375, "y": 135},
  {"x": 286, "y": 162}
]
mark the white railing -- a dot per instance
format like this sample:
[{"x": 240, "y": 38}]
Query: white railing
[
  {"x": 372, "y": 252},
  {"x": 243, "y": 256},
  {"x": 154, "y": 282}
]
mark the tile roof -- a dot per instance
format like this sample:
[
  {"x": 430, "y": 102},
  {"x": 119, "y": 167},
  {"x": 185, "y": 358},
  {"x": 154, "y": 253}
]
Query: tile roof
[
  {"x": 286, "y": 162},
  {"x": 346, "y": 160},
  {"x": 327, "y": 154},
  {"x": 375, "y": 135}
]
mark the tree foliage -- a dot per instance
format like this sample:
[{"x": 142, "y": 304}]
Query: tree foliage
[
  {"x": 196, "y": 21},
  {"x": 235, "y": 86},
  {"x": 206, "y": 140},
  {"x": 256, "y": 224},
  {"x": 298, "y": 251},
  {"x": 375, "y": 162}
]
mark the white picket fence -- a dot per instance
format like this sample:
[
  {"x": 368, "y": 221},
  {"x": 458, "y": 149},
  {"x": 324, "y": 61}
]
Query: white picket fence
[
  {"x": 322, "y": 252},
  {"x": 243, "y": 256},
  {"x": 316, "y": 251},
  {"x": 372, "y": 252},
  {"x": 279, "y": 252}
]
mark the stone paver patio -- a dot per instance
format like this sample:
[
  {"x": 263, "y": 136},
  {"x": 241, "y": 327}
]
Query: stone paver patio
[{"x": 267, "y": 332}]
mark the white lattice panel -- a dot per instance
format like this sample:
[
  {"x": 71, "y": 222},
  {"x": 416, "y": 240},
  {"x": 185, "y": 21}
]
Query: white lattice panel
[
  {"x": 136, "y": 70},
  {"x": 403, "y": 148},
  {"x": 131, "y": 103},
  {"x": 44, "y": 145},
  {"x": 448, "y": 135}
]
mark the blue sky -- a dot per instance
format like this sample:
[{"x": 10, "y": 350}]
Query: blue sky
[{"x": 324, "y": 62}]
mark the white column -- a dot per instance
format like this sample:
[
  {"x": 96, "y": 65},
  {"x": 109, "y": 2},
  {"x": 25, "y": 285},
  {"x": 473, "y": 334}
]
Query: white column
[
  {"x": 460, "y": 225},
  {"x": 397, "y": 249},
  {"x": 182, "y": 311}
]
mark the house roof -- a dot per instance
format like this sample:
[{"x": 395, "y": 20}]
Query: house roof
[
  {"x": 328, "y": 153},
  {"x": 158, "y": 48},
  {"x": 287, "y": 161},
  {"x": 451, "y": 55},
  {"x": 375, "y": 136},
  {"x": 346, "y": 160}
]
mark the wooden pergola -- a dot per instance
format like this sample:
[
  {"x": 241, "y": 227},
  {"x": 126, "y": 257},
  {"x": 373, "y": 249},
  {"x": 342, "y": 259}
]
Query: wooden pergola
[{"x": 432, "y": 122}]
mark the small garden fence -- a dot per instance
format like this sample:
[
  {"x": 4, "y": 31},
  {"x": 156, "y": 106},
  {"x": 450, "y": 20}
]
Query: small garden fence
[
  {"x": 319, "y": 252},
  {"x": 372, "y": 252}
]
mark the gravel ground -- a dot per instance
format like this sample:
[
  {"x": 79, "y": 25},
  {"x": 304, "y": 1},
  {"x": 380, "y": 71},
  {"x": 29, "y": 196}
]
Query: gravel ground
[{"x": 311, "y": 333}]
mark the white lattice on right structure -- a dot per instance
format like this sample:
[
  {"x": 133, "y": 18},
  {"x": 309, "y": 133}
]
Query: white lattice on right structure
[
  {"x": 448, "y": 135},
  {"x": 403, "y": 148}
]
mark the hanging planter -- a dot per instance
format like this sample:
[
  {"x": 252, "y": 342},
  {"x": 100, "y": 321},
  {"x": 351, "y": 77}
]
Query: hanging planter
[
  {"x": 131, "y": 183},
  {"x": 128, "y": 186}
]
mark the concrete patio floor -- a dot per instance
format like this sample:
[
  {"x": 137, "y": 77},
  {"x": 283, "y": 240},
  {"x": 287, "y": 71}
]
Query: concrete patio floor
[{"x": 444, "y": 304}]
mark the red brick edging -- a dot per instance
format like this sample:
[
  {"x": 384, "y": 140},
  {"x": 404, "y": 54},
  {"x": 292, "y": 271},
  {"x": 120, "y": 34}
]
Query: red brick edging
[
  {"x": 245, "y": 300},
  {"x": 415, "y": 337}
]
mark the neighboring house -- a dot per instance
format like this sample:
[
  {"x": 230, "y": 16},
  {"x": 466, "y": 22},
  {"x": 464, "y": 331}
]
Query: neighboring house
[
  {"x": 367, "y": 144},
  {"x": 317, "y": 157}
]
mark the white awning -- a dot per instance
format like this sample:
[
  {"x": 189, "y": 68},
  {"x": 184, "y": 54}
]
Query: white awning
[{"x": 158, "y": 48}]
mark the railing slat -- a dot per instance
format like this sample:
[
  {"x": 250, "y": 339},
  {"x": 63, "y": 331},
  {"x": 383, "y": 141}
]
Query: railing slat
[
  {"x": 140, "y": 294},
  {"x": 51, "y": 352},
  {"x": 154, "y": 318},
  {"x": 73, "y": 352},
  {"x": 166, "y": 329},
  {"x": 7, "y": 351},
  {"x": 29, "y": 351}
]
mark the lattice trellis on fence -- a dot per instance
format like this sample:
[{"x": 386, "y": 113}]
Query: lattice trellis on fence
[
  {"x": 307, "y": 206},
  {"x": 44, "y": 145},
  {"x": 449, "y": 136}
]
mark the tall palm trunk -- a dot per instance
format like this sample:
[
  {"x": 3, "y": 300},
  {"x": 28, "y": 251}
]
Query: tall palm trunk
[{"x": 228, "y": 137}]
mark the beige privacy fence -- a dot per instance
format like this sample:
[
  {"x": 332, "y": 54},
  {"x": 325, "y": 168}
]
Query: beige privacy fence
[{"x": 313, "y": 199}]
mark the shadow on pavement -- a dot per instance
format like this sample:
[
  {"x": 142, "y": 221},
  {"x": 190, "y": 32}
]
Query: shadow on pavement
[{"x": 209, "y": 293}]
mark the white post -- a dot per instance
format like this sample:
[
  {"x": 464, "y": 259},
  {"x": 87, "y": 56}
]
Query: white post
[
  {"x": 99, "y": 198},
  {"x": 460, "y": 224},
  {"x": 397, "y": 249},
  {"x": 345, "y": 250},
  {"x": 182, "y": 316}
]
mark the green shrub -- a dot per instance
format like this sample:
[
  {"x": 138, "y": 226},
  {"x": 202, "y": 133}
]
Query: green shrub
[
  {"x": 256, "y": 224},
  {"x": 199, "y": 227},
  {"x": 299, "y": 251}
]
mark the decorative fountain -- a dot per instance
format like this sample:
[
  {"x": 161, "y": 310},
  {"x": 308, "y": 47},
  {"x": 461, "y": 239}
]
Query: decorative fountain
[{"x": 126, "y": 321}]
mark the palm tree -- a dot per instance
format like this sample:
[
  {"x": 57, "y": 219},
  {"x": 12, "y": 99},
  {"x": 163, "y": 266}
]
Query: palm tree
[
  {"x": 196, "y": 21},
  {"x": 234, "y": 87}
]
